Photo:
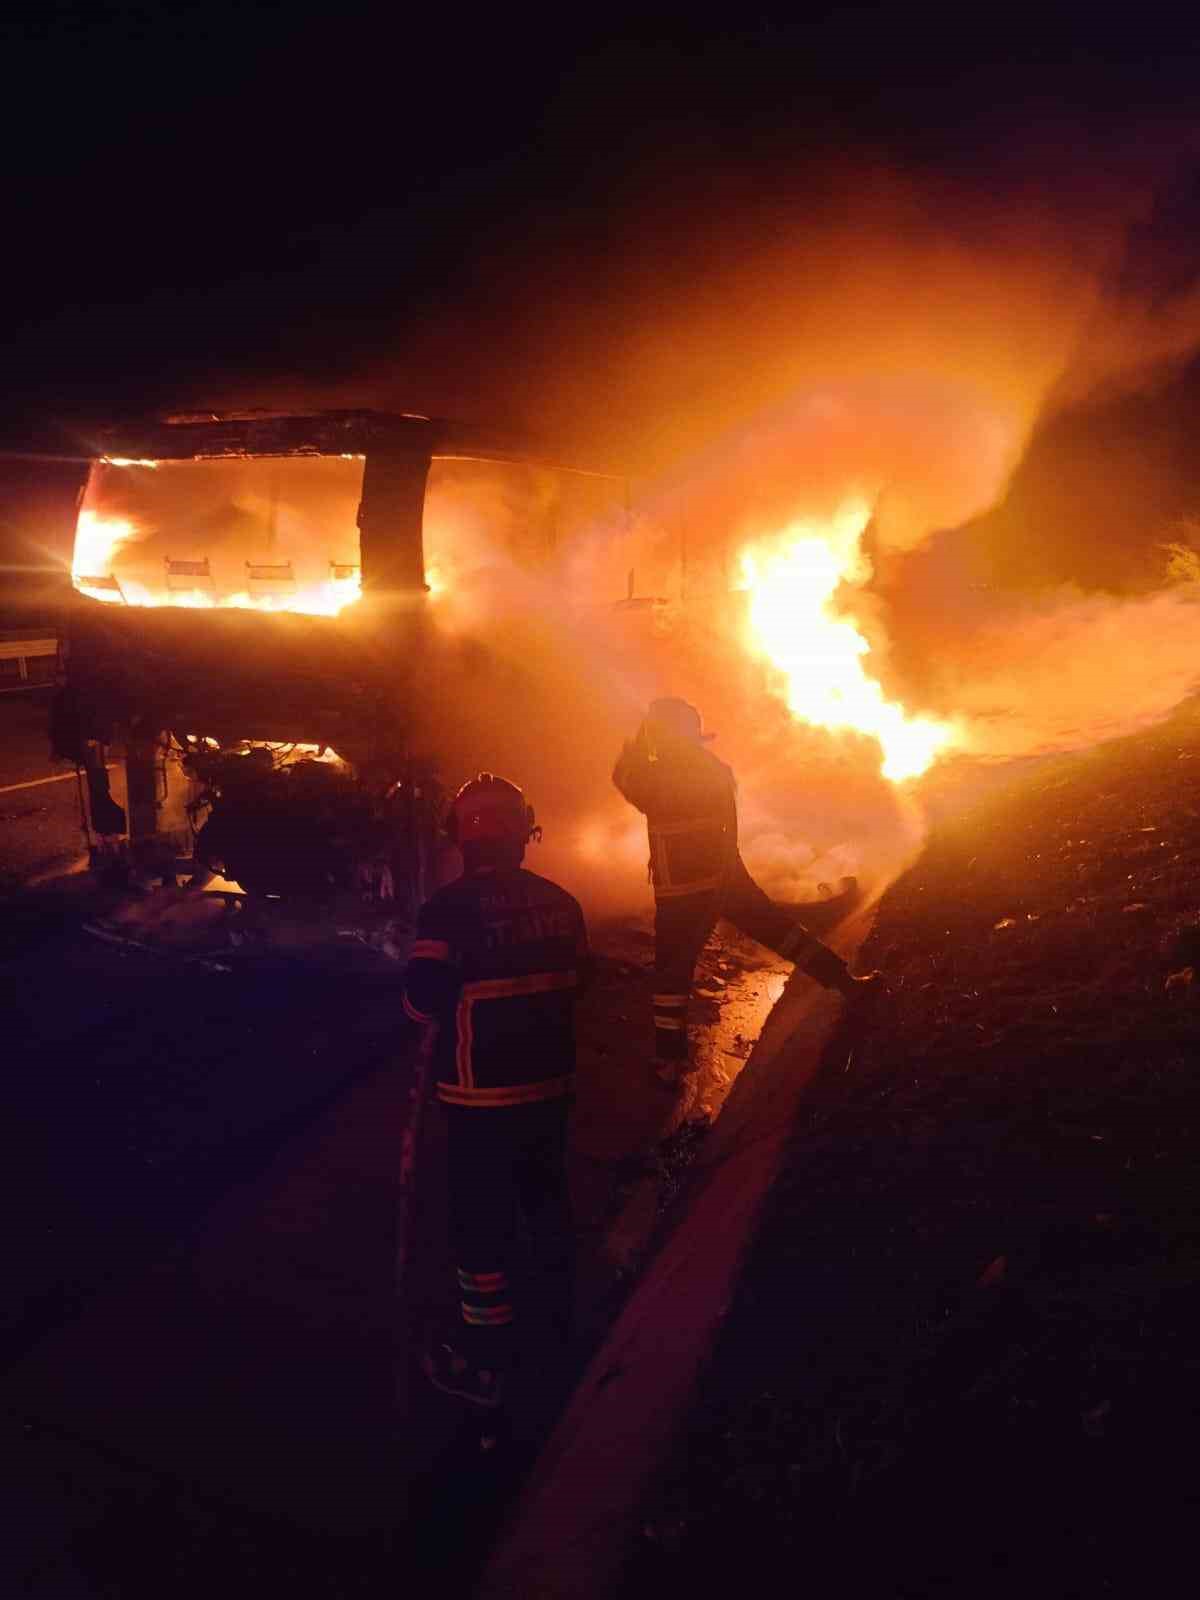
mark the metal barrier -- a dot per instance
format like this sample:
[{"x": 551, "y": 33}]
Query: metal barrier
[{"x": 42, "y": 653}]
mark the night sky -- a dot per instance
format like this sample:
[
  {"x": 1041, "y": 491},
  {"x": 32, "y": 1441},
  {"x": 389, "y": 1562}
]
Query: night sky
[
  {"x": 272, "y": 189},
  {"x": 581, "y": 224}
]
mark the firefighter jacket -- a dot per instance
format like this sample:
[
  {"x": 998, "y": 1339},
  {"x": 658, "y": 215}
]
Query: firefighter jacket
[
  {"x": 493, "y": 972},
  {"x": 689, "y": 798}
]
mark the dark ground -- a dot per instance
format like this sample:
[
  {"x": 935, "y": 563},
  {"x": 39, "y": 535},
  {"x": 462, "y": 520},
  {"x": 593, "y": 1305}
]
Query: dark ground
[
  {"x": 963, "y": 1354},
  {"x": 40, "y": 830},
  {"x": 205, "y": 1360},
  {"x": 206, "y": 1366}
]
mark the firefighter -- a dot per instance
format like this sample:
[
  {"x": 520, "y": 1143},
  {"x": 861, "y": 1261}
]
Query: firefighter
[
  {"x": 494, "y": 970},
  {"x": 689, "y": 798}
]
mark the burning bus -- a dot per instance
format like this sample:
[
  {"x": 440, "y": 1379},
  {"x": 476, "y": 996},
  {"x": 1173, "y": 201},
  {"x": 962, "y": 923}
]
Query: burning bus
[
  {"x": 248, "y": 633},
  {"x": 261, "y": 678}
]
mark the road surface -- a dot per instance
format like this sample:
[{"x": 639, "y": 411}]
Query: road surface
[
  {"x": 209, "y": 1366},
  {"x": 40, "y": 831},
  {"x": 199, "y": 1228}
]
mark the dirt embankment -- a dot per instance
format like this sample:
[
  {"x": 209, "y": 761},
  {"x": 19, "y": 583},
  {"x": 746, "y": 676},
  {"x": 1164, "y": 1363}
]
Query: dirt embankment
[{"x": 963, "y": 1353}]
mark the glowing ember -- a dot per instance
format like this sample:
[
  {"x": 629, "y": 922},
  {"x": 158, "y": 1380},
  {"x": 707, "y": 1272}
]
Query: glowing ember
[
  {"x": 316, "y": 752},
  {"x": 283, "y": 755},
  {"x": 818, "y": 655}
]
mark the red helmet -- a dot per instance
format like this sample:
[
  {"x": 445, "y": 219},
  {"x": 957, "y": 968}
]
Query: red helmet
[{"x": 490, "y": 809}]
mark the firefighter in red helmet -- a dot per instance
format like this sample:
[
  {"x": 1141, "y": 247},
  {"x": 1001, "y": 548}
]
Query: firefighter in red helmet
[
  {"x": 494, "y": 970},
  {"x": 689, "y": 798}
]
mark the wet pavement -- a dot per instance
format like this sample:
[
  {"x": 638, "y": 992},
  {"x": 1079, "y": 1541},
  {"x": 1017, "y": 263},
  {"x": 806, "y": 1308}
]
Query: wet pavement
[
  {"x": 209, "y": 1355},
  {"x": 576, "y": 1521},
  {"x": 210, "y": 1330},
  {"x": 40, "y": 828}
]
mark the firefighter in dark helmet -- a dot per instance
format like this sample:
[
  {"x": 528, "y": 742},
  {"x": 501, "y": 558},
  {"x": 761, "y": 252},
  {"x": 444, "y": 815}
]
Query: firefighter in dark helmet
[
  {"x": 689, "y": 798},
  {"x": 494, "y": 969}
]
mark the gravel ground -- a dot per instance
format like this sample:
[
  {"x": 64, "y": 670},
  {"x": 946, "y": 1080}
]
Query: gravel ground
[{"x": 962, "y": 1356}]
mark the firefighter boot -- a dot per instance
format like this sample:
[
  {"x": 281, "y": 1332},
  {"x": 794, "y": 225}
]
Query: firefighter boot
[
  {"x": 863, "y": 996},
  {"x": 450, "y": 1371},
  {"x": 671, "y": 1039},
  {"x": 831, "y": 972},
  {"x": 671, "y": 1059}
]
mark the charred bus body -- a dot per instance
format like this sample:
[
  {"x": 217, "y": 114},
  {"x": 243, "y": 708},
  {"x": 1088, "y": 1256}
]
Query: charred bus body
[{"x": 248, "y": 631}]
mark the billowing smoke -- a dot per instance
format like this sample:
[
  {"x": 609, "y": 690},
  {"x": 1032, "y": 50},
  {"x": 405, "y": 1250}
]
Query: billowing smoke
[
  {"x": 544, "y": 664},
  {"x": 1066, "y": 669},
  {"x": 524, "y": 684},
  {"x": 754, "y": 350},
  {"x": 697, "y": 299}
]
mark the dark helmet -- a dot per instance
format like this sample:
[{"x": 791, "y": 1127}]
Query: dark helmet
[
  {"x": 677, "y": 717},
  {"x": 490, "y": 810}
]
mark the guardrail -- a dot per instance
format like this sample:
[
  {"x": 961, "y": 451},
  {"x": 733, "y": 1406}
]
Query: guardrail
[{"x": 41, "y": 653}]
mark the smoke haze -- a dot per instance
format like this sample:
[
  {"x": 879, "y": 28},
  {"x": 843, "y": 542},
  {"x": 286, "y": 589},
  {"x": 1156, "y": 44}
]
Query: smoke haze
[
  {"x": 758, "y": 353},
  {"x": 755, "y": 345}
]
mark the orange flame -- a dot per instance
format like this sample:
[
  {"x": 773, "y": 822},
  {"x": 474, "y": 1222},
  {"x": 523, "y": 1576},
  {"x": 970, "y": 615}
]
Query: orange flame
[
  {"x": 98, "y": 540},
  {"x": 818, "y": 654}
]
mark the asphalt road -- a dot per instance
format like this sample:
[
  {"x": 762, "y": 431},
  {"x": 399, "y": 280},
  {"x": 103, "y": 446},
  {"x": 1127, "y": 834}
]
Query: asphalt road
[
  {"x": 198, "y": 1214},
  {"x": 40, "y": 832},
  {"x": 199, "y": 1189},
  {"x": 205, "y": 1366}
]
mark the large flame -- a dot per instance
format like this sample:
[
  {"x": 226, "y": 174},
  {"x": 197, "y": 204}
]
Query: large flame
[
  {"x": 817, "y": 654},
  {"x": 99, "y": 539}
]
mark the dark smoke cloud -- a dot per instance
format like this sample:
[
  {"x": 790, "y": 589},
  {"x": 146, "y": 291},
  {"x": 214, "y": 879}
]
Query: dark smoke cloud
[
  {"x": 698, "y": 302},
  {"x": 756, "y": 348},
  {"x": 537, "y": 674}
]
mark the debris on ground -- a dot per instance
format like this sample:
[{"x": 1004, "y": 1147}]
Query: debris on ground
[{"x": 215, "y": 927}]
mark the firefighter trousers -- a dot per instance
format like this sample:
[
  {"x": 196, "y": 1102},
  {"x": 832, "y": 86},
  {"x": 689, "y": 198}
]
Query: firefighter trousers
[
  {"x": 682, "y": 924},
  {"x": 507, "y": 1165}
]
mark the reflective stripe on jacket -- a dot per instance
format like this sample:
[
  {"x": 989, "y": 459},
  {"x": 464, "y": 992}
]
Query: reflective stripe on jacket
[
  {"x": 689, "y": 798},
  {"x": 687, "y": 857},
  {"x": 494, "y": 971}
]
